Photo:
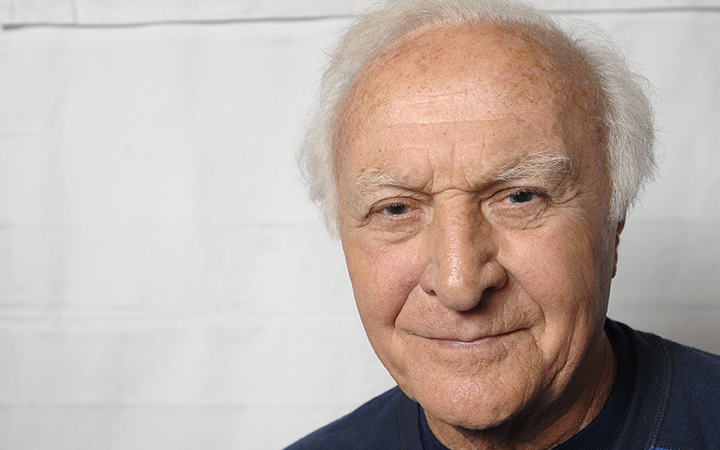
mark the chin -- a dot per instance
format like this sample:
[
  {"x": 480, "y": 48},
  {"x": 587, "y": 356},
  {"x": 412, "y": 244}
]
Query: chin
[{"x": 477, "y": 403}]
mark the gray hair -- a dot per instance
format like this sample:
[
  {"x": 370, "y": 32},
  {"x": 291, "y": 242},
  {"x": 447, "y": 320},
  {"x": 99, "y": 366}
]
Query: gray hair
[{"x": 626, "y": 113}]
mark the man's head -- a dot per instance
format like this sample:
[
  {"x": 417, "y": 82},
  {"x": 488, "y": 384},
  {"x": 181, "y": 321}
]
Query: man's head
[
  {"x": 479, "y": 207},
  {"x": 626, "y": 113}
]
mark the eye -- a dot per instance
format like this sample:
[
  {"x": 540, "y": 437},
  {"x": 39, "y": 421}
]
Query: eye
[
  {"x": 522, "y": 196},
  {"x": 396, "y": 209}
]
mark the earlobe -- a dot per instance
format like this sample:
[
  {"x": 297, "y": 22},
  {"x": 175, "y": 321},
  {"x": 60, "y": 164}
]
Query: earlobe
[{"x": 618, "y": 230}]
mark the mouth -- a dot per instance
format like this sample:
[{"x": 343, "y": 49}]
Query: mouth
[
  {"x": 484, "y": 341},
  {"x": 467, "y": 353},
  {"x": 468, "y": 342}
]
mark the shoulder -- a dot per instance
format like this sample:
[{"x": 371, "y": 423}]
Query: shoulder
[
  {"x": 694, "y": 404},
  {"x": 685, "y": 384},
  {"x": 684, "y": 362},
  {"x": 373, "y": 425},
  {"x": 693, "y": 375}
]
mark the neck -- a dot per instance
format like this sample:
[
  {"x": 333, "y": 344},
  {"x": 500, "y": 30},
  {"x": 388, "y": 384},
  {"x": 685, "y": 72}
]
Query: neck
[{"x": 548, "y": 423}]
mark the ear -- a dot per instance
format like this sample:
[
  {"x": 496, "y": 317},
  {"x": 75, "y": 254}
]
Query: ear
[{"x": 618, "y": 230}]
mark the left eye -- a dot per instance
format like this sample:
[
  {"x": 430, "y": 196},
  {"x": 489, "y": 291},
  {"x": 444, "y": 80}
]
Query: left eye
[{"x": 521, "y": 197}]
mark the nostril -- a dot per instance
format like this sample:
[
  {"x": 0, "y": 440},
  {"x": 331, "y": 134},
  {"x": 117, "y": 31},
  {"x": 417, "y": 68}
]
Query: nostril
[{"x": 429, "y": 291}]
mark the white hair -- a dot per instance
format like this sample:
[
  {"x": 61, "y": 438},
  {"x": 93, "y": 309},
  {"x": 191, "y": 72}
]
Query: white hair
[{"x": 626, "y": 113}]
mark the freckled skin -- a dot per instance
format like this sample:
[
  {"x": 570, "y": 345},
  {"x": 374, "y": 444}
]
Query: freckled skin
[{"x": 484, "y": 298}]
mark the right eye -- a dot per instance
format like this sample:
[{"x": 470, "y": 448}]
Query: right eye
[{"x": 396, "y": 209}]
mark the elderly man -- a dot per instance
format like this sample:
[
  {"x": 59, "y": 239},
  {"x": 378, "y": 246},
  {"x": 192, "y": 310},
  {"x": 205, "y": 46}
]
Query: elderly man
[{"x": 477, "y": 164}]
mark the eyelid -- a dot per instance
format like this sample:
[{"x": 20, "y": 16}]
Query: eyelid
[
  {"x": 385, "y": 205},
  {"x": 537, "y": 191},
  {"x": 381, "y": 205},
  {"x": 501, "y": 199}
]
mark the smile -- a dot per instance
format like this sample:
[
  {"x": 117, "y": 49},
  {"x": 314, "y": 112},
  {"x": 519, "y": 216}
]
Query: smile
[{"x": 485, "y": 341}]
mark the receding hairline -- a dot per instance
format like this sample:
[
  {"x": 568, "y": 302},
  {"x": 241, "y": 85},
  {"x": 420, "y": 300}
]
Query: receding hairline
[
  {"x": 625, "y": 106},
  {"x": 564, "y": 56},
  {"x": 535, "y": 165},
  {"x": 538, "y": 37},
  {"x": 568, "y": 69}
]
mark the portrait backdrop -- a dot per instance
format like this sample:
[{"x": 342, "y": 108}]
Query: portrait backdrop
[{"x": 165, "y": 284}]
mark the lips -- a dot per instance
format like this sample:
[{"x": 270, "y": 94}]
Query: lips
[{"x": 463, "y": 339}]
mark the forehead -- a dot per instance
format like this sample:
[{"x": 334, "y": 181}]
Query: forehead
[
  {"x": 506, "y": 64},
  {"x": 467, "y": 80}
]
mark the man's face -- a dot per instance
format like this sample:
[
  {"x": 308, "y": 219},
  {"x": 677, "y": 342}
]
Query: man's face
[{"x": 473, "y": 215}]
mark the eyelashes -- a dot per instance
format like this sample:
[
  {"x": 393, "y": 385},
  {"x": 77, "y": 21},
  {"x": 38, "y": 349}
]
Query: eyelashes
[
  {"x": 527, "y": 195},
  {"x": 503, "y": 207},
  {"x": 402, "y": 206}
]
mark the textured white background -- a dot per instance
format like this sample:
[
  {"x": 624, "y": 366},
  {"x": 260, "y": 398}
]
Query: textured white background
[{"x": 163, "y": 282}]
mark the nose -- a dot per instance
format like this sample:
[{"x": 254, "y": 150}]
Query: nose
[{"x": 461, "y": 265}]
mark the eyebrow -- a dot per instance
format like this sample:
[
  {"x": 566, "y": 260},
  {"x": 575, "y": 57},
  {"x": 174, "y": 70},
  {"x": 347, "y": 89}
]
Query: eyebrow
[
  {"x": 537, "y": 165},
  {"x": 370, "y": 179}
]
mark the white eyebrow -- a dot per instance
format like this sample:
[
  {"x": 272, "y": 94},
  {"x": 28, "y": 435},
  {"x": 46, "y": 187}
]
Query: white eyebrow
[
  {"x": 531, "y": 166},
  {"x": 536, "y": 165},
  {"x": 368, "y": 180}
]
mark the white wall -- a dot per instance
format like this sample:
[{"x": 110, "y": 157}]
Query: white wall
[{"x": 163, "y": 281}]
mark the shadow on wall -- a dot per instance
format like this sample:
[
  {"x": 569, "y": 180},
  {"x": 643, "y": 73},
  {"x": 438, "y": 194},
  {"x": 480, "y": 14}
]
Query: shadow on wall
[{"x": 668, "y": 282}]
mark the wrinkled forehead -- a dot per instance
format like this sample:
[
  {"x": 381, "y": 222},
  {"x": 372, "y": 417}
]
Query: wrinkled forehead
[{"x": 500, "y": 68}]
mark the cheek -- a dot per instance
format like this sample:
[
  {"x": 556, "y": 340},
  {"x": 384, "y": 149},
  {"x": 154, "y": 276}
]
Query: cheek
[
  {"x": 561, "y": 269},
  {"x": 382, "y": 279}
]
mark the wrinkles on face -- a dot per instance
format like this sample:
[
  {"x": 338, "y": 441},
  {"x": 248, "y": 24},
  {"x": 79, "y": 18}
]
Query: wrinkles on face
[{"x": 473, "y": 216}]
